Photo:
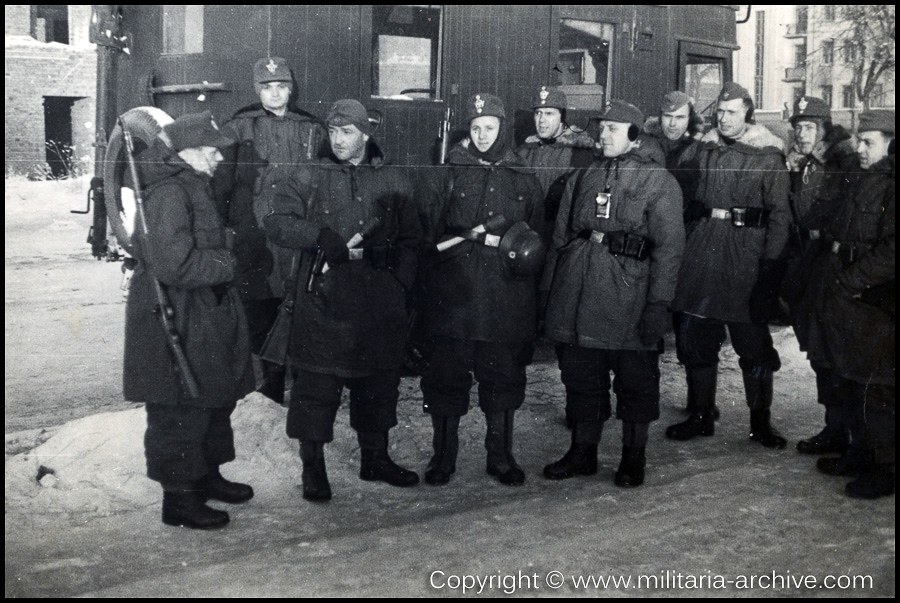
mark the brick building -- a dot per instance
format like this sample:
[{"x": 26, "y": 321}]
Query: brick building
[{"x": 51, "y": 72}]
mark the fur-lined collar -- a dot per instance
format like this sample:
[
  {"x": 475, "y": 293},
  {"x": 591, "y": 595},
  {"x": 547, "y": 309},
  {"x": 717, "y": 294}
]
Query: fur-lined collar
[
  {"x": 568, "y": 138},
  {"x": 756, "y": 137},
  {"x": 374, "y": 156},
  {"x": 834, "y": 148}
]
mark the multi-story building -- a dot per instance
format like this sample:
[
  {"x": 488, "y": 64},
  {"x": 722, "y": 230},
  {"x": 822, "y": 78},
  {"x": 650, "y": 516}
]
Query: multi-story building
[
  {"x": 50, "y": 85},
  {"x": 788, "y": 51}
]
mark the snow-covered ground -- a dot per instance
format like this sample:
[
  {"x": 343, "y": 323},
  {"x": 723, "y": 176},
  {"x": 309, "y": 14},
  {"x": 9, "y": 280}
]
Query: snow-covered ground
[{"x": 82, "y": 519}]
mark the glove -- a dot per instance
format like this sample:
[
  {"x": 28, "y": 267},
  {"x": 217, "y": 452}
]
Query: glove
[
  {"x": 334, "y": 248},
  {"x": 764, "y": 296},
  {"x": 654, "y": 323}
]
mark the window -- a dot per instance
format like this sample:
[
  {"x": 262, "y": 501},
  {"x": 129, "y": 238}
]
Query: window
[
  {"x": 583, "y": 68},
  {"x": 405, "y": 51},
  {"x": 759, "y": 73},
  {"x": 828, "y": 52},
  {"x": 876, "y": 97},
  {"x": 849, "y": 51},
  {"x": 828, "y": 13},
  {"x": 826, "y": 93},
  {"x": 50, "y": 23},
  {"x": 182, "y": 28},
  {"x": 802, "y": 19},
  {"x": 703, "y": 80},
  {"x": 848, "y": 100},
  {"x": 800, "y": 55}
]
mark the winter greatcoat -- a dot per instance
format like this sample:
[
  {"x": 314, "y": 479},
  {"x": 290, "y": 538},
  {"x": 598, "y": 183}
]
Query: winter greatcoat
[
  {"x": 469, "y": 294},
  {"x": 554, "y": 162},
  {"x": 354, "y": 322},
  {"x": 850, "y": 326},
  {"x": 596, "y": 299},
  {"x": 818, "y": 189},
  {"x": 721, "y": 261},
  {"x": 681, "y": 157},
  {"x": 185, "y": 250},
  {"x": 269, "y": 149}
]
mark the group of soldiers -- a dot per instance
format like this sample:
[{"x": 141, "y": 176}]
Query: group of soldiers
[{"x": 598, "y": 246}]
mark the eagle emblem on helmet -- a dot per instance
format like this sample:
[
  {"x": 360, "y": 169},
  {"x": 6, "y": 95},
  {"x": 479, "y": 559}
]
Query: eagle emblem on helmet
[
  {"x": 802, "y": 104},
  {"x": 543, "y": 94},
  {"x": 271, "y": 66},
  {"x": 479, "y": 103}
]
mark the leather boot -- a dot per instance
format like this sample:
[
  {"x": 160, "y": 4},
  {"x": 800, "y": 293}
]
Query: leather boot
[
  {"x": 273, "y": 382},
  {"x": 581, "y": 458},
  {"x": 631, "y": 468},
  {"x": 878, "y": 481},
  {"x": 831, "y": 439},
  {"x": 446, "y": 445},
  {"x": 758, "y": 387},
  {"x": 852, "y": 463},
  {"x": 186, "y": 508},
  {"x": 216, "y": 487},
  {"x": 498, "y": 442},
  {"x": 377, "y": 466},
  {"x": 315, "y": 479},
  {"x": 702, "y": 391}
]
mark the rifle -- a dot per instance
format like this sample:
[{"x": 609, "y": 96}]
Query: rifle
[
  {"x": 320, "y": 266},
  {"x": 275, "y": 348},
  {"x": 444, "y": 137},
  {"x": 164, "y": 308}
]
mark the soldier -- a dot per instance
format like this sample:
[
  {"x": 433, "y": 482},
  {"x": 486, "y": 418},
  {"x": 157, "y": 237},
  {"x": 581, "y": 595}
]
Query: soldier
[
  {"x": 730, "y": 273},
  {"x": 480, "y": 308},
  {"x": 187, "y": 251},
  {"x": 820, "y": 160},
  {"x": 556, "y": 151},
  {"x": 349, "y": 322},
  {"x": 613, "y": 265},
  {"x": 851, "y": 292},
  {"x": 274, "y": 137}
]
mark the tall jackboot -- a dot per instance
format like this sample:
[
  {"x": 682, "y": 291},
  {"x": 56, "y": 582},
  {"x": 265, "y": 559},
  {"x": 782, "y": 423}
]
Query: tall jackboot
[
  {"x": 581, "y": 458},
  {"x": 835, "y": 437},
  {"x": 758, "y": 387},
  {"x": 499, "y": 443},
  {"x": 446, "y": 445},
  {"x": 185, "y": 507},
  {"x": 634, "y": 460},
  {"x": 273, "y": 381},
  {"x": 377, "y": 466},
  {"x": 702, "y": 387},
  {"x": 315, "y": 480}
]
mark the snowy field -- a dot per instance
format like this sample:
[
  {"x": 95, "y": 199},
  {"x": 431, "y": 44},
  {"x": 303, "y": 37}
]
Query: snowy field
[{"x": 721, "y": 516}]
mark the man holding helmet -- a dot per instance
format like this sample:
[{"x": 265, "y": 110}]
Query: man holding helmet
[
  {"x": 480, "y": 289},
  {"x": 612, "y": 270}
]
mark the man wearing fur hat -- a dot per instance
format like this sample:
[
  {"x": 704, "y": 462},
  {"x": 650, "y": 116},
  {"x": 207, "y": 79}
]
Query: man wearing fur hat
[
  {"x": 188, "y": 250},
  {"x": 821, "y": 160},
  {"x": 349, "y": 320},
  {"x": 555, "y": 151},
  {"x": 274, "y": 137},
  {"x": 728, "y": 282},
  {"x": 611, "y": 274},
  {"x": 851, "y": 320}
]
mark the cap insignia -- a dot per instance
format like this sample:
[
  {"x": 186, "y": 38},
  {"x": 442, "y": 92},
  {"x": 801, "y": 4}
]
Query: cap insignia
[
  {"x": 802, "y": 104},
  {"x": 479, "y": 103},
  {"x": 271, "y": 66}
]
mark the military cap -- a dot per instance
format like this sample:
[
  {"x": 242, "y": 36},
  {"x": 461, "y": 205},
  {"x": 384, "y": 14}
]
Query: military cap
[
  {"x": 674, "y": 100},
  {"x": 810, "y": 107},
  {"x": 483, "y": 104},
  {"x": 271, "y": 69},
  {"x": 196, "y": 130},
  {"x": 877, "y": 120},
  {"x": 348, "y": 112},
  {"x": 619, "y": 110},
  {"x": 732, "y": 90},
  {"x": 552, "y": 98}
]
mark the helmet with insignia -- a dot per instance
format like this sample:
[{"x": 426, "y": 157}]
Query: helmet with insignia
[{"x": 482, "y": 104}]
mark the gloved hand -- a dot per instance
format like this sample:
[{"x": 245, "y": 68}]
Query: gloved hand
[
  {"x": 764, "y": 296},
  {"x": 654, "y": 323},
  {"x": 334, "y": 248}
]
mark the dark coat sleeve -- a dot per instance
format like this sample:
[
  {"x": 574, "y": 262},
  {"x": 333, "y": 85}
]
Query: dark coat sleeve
[
  {"x": 879, "y": 265},
  {"x": 776, "y": 186},
  {"x": 666, "y": 230},
  {"x": 287, "y": 225}
]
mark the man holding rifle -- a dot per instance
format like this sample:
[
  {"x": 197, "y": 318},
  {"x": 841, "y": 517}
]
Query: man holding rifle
[
  {"x": 186, "y": 349},
  {"x": 359, "y": 218}
]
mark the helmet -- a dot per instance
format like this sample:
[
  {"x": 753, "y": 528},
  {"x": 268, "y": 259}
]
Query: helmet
[{"x": 521, "y": 250}]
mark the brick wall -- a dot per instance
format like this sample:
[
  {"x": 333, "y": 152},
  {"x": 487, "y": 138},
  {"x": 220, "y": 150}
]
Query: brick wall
[{"x": 35, "y": 70}]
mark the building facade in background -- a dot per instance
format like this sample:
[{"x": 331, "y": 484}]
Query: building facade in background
[
  {"x": 787, "y": 51},
  {"x": 50, "y": 85}
]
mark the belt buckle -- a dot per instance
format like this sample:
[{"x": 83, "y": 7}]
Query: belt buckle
[
  {"x": 835, "y": 247},
  {"x": 492, "y": 240},
  {"x": 814, "y": 235},
  {"x": 720, "y": 214},
  {"x": 597, "y": 237}
]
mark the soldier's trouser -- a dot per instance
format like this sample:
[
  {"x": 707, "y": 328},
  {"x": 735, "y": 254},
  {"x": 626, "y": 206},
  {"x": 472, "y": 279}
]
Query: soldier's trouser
[
  {"x": 585, "y": 372},
  {"x": 878, "y": 422},
  {"x": 261, "y": 315},
  {"x": 499, "y": 369},
  {"x": 315, "y": 399},
  {"x": 698, "y": 341},
  {"x": 183, "y": 443}
]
